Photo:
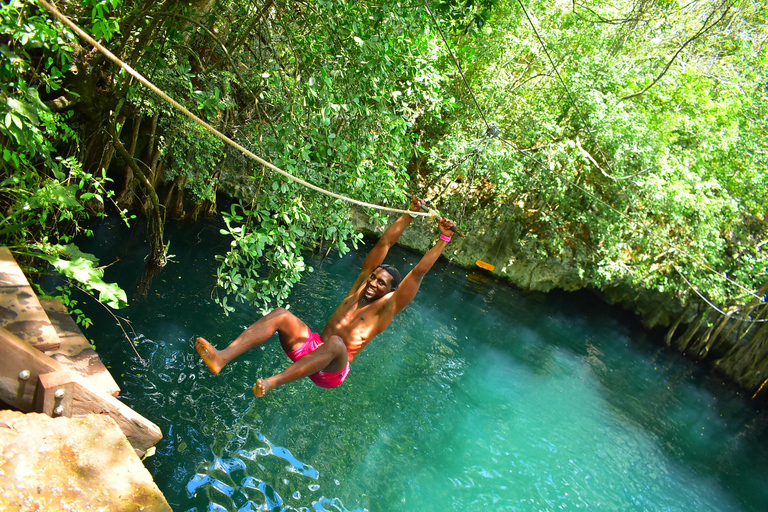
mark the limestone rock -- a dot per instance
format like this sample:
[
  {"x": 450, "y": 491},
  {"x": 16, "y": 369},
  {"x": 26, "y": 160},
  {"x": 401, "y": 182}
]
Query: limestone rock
[{"x": 82, "y": 464}]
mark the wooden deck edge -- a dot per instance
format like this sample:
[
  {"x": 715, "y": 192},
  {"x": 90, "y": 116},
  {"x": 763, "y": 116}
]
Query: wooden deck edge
[{"x": 20, "y": 370}]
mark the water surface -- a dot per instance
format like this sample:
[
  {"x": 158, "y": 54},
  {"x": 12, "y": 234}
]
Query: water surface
[{"x": 478, "y": 397}]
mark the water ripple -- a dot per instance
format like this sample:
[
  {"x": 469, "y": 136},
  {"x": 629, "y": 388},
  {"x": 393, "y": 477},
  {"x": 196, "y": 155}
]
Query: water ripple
[{"x": 268, "y": 484}]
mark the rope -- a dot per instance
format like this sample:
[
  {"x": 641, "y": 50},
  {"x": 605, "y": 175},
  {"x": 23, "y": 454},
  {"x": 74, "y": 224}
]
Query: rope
[
  {"x": 66, "y": 21},
  {"x": 469, "y": 187},
  {"x": 729, "y": 315},
  {"x": 492, "y": 132},
  {"x": 477, "y": 152},
  {"x": 562, "y": 82}
]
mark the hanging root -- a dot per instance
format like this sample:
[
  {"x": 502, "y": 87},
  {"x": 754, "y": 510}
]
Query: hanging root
[{"x": 760, "y": 388}]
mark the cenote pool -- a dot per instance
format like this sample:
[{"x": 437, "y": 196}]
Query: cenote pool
[{"x": 478, "y": 397}]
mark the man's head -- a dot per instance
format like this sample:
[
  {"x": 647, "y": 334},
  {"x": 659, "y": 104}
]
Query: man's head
[
  {"x": 383, "y": 280},
  {"x": 392, "y": 271}
]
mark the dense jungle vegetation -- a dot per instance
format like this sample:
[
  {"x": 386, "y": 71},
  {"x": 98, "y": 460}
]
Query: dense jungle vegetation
[{"x": 625, "y": 138}]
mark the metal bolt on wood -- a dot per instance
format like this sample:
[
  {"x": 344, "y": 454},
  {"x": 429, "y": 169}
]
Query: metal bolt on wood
[
  {"x": 59, "y": 393},
  {"x": 58, "y": 411},
  {"x": 24, "y": 375}
]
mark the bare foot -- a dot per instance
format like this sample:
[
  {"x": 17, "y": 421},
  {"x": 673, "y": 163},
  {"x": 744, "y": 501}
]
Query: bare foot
[
  {"x": 261, "y": 387},
  {"x": 209, "y": 354}
]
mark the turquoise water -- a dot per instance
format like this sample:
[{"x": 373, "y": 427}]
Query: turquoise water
[{"x": 478, "y": 397}]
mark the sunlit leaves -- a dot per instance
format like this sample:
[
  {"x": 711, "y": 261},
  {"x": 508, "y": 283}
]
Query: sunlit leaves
[
  {"x": 628, "y": 190},
  {"x": 345, "y": 83},
  {"x": 81, "y": 268}
]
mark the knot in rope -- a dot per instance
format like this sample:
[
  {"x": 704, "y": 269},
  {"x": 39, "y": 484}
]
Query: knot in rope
[{"x": 493, "y": 131}]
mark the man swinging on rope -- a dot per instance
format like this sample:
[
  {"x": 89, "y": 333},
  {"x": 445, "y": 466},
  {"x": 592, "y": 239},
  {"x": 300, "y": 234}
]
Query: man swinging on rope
[{"x": 373, "y": 301}]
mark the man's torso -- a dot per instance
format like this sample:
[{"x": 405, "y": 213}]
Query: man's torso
[{"x": 357, "y": 322}]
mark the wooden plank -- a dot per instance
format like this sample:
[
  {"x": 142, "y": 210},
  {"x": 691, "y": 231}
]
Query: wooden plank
[
  {"x": 10, "y": 273},
  {"x": 141, "y": 433},
  {"x": 20, "y": 311},
  {"x": 20, "y": 369},
  {"x": 75, "y": 352}
]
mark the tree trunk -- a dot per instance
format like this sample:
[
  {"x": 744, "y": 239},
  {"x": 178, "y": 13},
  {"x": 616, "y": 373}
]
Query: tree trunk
[
  {"x": 126, "y": 199},
  {"x": 155, "y": 223}
]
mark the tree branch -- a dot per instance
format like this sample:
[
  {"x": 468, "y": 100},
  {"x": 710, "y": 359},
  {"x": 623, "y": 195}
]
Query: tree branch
[
  {"x": 63, "y": 102},
  {"x": 155, "y": 224},
  {"x": 704, "y": 28},
  {"x": 235, "y": 69}
]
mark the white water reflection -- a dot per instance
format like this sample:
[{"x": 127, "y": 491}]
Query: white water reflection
[{"x": 242, "y": 481}]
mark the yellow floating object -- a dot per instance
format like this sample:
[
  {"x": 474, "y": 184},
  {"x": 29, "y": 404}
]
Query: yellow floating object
[{"x": 486, "y": 266}]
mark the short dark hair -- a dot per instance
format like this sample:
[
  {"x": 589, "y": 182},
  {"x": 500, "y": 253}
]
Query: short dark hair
[{"x": 392, "y": 271}]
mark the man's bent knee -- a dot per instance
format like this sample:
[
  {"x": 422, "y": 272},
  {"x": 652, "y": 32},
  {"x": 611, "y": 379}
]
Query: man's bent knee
[
  {"x": 279, "y": 312},
  {"x": 336, "y": 345},
  {"x": 284, "y": 318}
]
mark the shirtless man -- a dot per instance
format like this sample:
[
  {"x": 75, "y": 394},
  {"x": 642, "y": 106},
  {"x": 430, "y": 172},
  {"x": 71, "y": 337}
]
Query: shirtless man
[{"x": 369, "y": 307}]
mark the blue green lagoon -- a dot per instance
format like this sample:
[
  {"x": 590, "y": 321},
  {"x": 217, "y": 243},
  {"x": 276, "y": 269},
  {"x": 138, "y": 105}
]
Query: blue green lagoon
[{"x": 479, "y": 397}]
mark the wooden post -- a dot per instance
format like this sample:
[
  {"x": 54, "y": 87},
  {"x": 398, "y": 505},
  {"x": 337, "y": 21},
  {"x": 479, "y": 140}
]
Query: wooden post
[
  {"x": 55, "y": 394},
  {"x": 20, "y": 367}
]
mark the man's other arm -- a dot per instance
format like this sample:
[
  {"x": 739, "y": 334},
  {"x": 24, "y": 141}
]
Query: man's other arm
[{"x": 411, "y": 283}]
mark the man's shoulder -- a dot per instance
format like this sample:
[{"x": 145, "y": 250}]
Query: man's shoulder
[{"x": 385, "y": 304}]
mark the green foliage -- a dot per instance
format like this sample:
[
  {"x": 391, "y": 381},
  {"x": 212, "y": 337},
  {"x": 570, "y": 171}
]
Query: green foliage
[
  {"x": 43, "y": 195},
  {"x": 193, "y": 153},
  {"x": 346, "y": 84},
  {"x": 274, "y": 241},
  {"x": 81, "y": 267},
  {"x": 103, "y": 26},
  {"x": 631, "y": 143},
  {"x": 641, "y": 190}
]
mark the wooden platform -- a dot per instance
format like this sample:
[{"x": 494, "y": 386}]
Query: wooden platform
[
  {"x": 20, "y": 311},
  {"x": 75, "y": 352},
  {"x": 48, "y": 366}
]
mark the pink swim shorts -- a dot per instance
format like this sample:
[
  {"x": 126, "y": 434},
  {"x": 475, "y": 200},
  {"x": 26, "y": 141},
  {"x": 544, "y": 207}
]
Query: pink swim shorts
[{"x": 323, "y": 379}]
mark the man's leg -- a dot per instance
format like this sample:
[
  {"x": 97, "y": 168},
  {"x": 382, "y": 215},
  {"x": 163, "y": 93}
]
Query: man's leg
[
  {"x": 291, "y": 330},
  {"x": 331, "y": 356}
]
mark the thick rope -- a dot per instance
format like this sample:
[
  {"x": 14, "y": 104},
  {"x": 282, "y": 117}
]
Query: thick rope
[{"x": 66, "y": 21}]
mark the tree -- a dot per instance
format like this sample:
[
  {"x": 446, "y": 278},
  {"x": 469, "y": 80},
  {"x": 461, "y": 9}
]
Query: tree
[{"x": 45, "y": 195}]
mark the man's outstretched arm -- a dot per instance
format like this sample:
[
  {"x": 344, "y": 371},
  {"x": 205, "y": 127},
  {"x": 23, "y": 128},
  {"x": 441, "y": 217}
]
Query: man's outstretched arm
[
  {"x": 387, "y": 240},
  {"x": 410, "y": 285}
]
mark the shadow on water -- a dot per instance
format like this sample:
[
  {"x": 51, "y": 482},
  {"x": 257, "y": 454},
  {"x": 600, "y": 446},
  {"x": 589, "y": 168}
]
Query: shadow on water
[{"x": 478, "y": 397}]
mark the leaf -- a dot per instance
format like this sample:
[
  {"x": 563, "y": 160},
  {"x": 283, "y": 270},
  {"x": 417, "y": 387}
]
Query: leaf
[
  {"x": 33, "y": 95},
  {"x": 24, "y": 109},
  {"x": 111, "y": 294},
  {"x": 82, "y": 269},
  {"x": 9, "y": 54}
]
